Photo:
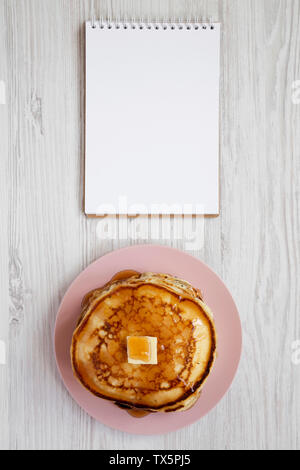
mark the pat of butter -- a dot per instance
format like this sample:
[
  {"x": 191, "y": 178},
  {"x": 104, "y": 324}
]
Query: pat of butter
[{"x": 142, "y": 350}]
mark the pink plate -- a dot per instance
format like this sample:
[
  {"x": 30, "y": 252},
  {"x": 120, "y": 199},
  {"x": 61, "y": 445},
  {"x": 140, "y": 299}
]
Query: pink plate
[{"x": 160, "y": 259}]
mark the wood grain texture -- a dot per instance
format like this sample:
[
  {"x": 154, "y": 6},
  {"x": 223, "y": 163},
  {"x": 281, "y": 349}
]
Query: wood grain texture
[{"x": 46, "y": 240}]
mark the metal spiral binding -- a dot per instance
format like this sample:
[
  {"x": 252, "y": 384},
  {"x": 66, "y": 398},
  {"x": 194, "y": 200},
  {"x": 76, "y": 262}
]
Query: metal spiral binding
[{"x": 149, "y": 24}]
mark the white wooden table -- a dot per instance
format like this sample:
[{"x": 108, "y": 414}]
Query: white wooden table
[{"x": 45, "y": 239}]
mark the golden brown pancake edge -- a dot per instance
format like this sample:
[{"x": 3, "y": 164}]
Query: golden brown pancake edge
[{"x": 175, "y": 286}]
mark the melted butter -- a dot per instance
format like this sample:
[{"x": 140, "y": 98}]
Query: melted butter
[{"x": 139, "y": 348}]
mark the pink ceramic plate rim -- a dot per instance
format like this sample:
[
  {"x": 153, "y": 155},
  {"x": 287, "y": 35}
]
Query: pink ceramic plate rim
[{"x": 157, "y": 259}]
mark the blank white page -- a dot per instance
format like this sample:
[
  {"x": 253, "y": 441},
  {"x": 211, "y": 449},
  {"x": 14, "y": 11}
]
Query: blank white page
[{"x": 152, "y": 120}]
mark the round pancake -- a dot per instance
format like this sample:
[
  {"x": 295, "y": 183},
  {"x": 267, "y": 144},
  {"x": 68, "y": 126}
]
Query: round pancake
[{"x": 154, "y": 305}]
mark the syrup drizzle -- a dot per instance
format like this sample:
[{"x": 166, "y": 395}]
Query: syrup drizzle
[
  {"x": 138, "y": 413},
  {"x": 123, "y": 275},
  {"x": 134, "y": 412}
]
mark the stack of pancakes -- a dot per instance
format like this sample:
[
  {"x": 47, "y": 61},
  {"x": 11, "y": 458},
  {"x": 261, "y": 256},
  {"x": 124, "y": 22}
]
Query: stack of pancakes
[{"x": 153, "y": 305}]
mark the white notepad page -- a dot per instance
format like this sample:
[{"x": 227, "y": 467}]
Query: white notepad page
[{"x": 152, "y": 120}]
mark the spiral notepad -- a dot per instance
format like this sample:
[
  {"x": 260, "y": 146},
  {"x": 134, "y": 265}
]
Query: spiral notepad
[{"x": 152, "y": 118}]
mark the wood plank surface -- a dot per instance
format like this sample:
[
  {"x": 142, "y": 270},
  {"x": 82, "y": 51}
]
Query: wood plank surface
[{"x": 45, "y": 240}]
